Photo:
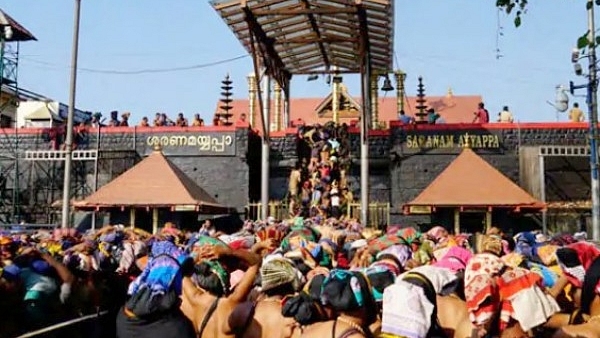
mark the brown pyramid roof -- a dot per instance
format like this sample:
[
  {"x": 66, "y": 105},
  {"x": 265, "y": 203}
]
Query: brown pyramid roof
[
  {"x": 154, "y": 182},
  {"x": 470, "y": 181}
]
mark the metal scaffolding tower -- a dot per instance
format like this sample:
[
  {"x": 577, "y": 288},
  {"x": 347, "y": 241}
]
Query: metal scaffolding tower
[{"x": 11, "y": 34}]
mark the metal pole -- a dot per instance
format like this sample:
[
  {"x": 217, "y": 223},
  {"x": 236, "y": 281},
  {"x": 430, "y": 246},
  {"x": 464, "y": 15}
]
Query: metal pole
[
  {"x": 543, "y": 192},
  {"x": 66, "y": 204},
  {"x": 592, "y": 99},
  {"x": 94, "y": 214},
  {"x": 16, "y": 183},
  {"x": 364, "y": 141},
  {"x": 264, "y": 178}
]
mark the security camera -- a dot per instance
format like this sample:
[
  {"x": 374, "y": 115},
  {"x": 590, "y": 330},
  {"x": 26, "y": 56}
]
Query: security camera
[
  {"x": 578, "y": 69},
  {"x": 575, "y": 55}
]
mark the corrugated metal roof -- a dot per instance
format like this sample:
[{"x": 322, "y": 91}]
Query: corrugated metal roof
[{"x": 311, "y": 36}]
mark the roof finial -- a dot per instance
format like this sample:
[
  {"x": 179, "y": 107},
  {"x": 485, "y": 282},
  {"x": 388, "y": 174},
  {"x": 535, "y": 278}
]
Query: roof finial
[
  {"x": 449, "y": 94},
  {"x": 157, "y": 148},
  {"x": 466, "y": 143}
]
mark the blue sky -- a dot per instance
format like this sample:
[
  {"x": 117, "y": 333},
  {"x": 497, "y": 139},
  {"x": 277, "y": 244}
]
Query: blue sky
[{"x": 449, "y": 43}]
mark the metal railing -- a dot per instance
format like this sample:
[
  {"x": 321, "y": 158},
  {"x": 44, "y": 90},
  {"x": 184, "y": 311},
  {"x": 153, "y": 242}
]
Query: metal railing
[
  {"x": 276, "y": 209},
  {"x": 379, "y": 212},
  {"x": 63, "y": 324},
  {"x": 27, "y": 228}
]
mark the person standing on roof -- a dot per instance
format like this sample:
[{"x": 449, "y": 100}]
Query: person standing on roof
[
  {"x": 481, "y": 115},
  {"x": 505, "y": 116}
]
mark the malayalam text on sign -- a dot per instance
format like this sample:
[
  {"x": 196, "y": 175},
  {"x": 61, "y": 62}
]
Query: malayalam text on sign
[{"x": 215, "y": 143}]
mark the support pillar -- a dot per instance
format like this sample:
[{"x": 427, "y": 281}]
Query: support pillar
[
  {"x": 277, "y": 106},
  {"x": 132, "y": 217},
  {"x": 364, "y": 139},
  {"x": 252, "y": 99},
  {"x": 335, "y": 100},
  {"x": 400, "y": 90},
  {"x": 264, "y": 181},
  {"x": 154, "y": 221},
  {"x": 542, "y": 176},
  {"x": 374, "y": 102},
  {"x": 488, "y": 220},
  {"x": 286, "y": 109},
  {"x": 456, "y": 221}
]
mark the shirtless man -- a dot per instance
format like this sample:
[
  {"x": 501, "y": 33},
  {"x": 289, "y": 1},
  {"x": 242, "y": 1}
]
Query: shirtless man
[
  {"x": 589, "y": 329},
  {"x": 279, "y": 279},
  {"x": 454, "y": 316},
  {"x": 197, "y": 303}
]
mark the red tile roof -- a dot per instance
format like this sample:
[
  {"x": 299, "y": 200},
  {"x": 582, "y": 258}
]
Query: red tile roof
[
  {"x": 470, "y": 181},
  {"x": 154, "y": 182},
  {"x": 452, "y": 108}
]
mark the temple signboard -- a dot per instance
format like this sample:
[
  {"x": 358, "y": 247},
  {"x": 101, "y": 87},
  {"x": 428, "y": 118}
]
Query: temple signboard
[
  {"x": 194, "y": 144},
  {"x": 453, "y": 140}
]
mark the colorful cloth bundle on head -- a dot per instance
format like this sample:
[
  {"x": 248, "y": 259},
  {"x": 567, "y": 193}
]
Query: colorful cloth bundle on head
[
  {"x": 480, "y": 293},
  {"x": 201, "y": 240},
  {"x": 303, "y": 255},
  {"x": 346, "y": 291},
  {"x": 162, "y": 273},
  {"x": 64, "y": 233},
  {"x": 460, "y": 240},
  {"x": 5, "y": 240},
  {"x": 580, "y": 236},
  {"x": 278, "y": 272},
  {"x": 575, "y": 259},
  {"x": 522, "y": 298},
  {"x": 380, "y": 277},
  {"x": 410, "y": 235},
  {"x": 492, "y": 244},
  {"x": 438, "y": 234},
  {"x": 270, "y": 233},
  {"x": 171, "y": 233},
  {"x": 53, "y": 248},
  {"x": 381, "y": 243},
  {"x": 10, "y": 273},
  {"x": 547, "y": 254},
  {"x": 455, "y": 259},
  {"x": 299, "y": 235},
  {"x": 525, "y": 244},
  {"x": 563, "y": 240},
  {"x": 413, "y": 318},
  {"x": 245, "y": 243},
  {"x": 513, "y": 259},
  {"x": 398, "y": 253},
  {"x": 549, "y": 277}
]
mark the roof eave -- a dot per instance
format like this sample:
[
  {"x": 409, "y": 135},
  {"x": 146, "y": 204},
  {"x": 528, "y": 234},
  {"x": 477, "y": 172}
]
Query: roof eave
[
  {"x": 538, "y": 206},
  {"x": 91, "y": 205}
]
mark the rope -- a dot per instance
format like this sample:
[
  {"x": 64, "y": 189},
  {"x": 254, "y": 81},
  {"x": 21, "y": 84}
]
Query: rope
[{"x": 63, "y": 324}]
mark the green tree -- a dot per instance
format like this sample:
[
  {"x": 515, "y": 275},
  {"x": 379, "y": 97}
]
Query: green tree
[{"x": 517, "y": 8}]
